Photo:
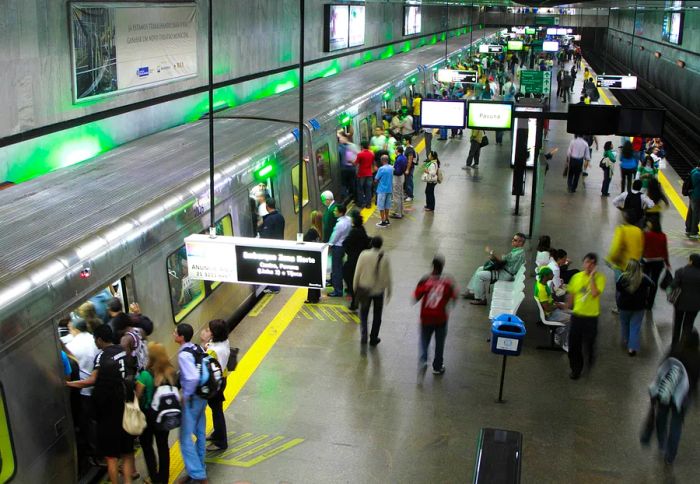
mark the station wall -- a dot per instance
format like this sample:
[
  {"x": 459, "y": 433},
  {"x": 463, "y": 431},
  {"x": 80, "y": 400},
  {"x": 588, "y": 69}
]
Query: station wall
[{"x": 250, "y": 37}]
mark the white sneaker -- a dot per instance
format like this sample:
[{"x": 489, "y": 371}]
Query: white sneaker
[{"x": 408, "y": 199}]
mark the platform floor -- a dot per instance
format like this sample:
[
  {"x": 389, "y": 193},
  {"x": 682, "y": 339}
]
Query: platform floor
[{"x": 314, "y": 406}]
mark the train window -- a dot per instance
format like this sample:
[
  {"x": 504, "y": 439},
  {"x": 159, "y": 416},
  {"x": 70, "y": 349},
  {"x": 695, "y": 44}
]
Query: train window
[
  {"x": 186, "y": 293},
  {"x": 323, "y": 166},
  {"x": 364, "y": 130},
  {"x": 295, "y": 187},
  {"x": 7, "y": 454}
]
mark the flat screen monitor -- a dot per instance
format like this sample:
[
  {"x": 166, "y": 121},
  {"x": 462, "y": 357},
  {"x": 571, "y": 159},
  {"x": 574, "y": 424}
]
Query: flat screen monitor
[
  {"x": 483, "y": 48},
  {"x": 569, "y": 31},
  {"x": 589, "y": 119},
  {"x": 672, "y": 25},
  {"x": 411, "y": 20},
  {"x": 548, "y": 46},
  {"x": 447, "y": 113},
  {"x": 641, "y": 122},
  {"x": 530, "y": 31},
  {"x": 337, "y": 26},
  {"x": 561, "y": 31},
  {"x": 494, "y": 115},
  {"x": 357, "y": 25},
  {"x": 515, "y": 45},
  {"x": 551, "y": 31}
]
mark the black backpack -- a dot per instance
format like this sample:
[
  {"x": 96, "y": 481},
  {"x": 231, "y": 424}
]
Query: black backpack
[
  {"x": 687, "y": 187},
  {"x": 211, "y": 375},
  {"x": 633, "y": 207},
  {"x": 165, "y": 407}
]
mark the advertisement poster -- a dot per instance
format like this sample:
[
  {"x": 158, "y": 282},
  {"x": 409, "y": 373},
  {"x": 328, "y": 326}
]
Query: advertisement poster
[
  {"x": 411, "y": 20},
  {"x": 357, "y": 25},
  {"x": 118, "y": 47},
  {"x": 338, "y": 25}
]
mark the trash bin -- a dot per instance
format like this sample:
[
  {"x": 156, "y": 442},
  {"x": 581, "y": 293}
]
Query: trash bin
[{"x": 507, "y": 334}]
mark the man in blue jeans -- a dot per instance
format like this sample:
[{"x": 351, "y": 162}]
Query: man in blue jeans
[{"x": 193, "y": 406}]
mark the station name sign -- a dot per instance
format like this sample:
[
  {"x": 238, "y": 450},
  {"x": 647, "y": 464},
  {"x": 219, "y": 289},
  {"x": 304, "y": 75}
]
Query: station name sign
[
  {"x": 617, "y": 82},
  {"x": 490, "y": 48},
  {"x": 256, "y": 261},
  {"x": 453, "y": 75}
]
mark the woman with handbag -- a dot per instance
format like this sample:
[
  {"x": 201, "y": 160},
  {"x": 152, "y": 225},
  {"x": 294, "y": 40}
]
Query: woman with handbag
[
  {"x": 214, "y": 337},
  {"x": 632, "y": 289},
  {"x": 158, "y": 372},
  {"x": 431, "y": 177},
  {"x": 607, "y": 164},
  {"x": 683, "y": 295},
  {"x": 654, "y": 257}
]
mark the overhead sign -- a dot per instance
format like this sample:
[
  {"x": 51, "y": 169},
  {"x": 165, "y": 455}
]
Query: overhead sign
[
  {"x": 256, "y": 261},
  {"x": 490, "y": 115},
  {"x": 550, "y": 46},
  {"x": 535, "y": 82},
  {"x": 452, "y": 75},
  {"x": 448, "y": 113},
  {"x": 617, "y": 82}
]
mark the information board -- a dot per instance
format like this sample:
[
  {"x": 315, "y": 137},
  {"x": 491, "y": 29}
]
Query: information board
[
  {"x": 617, "y": 82},
  {"x": 535, "y": 82},
  {"x": 453, "y": 75},
  {"x": 446, "y": 113},
  {"x": 256, "y": 261},
  {"x": 515, "y": 45},
  {"x": 496, "y": 115}
]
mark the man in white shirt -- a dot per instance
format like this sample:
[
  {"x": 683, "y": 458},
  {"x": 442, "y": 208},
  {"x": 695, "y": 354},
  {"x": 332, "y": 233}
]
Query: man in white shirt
[
  {"x": 340, "y": 233},
  {"x": 578, "y": 153}
]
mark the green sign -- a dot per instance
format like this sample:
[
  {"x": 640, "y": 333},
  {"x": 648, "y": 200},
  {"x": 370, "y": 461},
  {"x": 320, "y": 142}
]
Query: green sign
[
  {"x": 535, "y": 82},
  {"x": 539, "y": 20}
]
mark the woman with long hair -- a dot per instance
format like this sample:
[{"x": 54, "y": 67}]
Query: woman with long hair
[
  {"x": 356, "y": 241},
  {"x": 656, "y": 194},
  {"x": 314, "y": 234},
  {"x": 654, "y": 257},
  {"x": 544, "y": 245},
  {"x": 159, "y": 371},
  {"x": 632, "y": 291},
  {"x": 430, "y": 176},
  {"x": 628, "y": 166},
  {"x": 214, "y": 337},
  {"x": 607, "y": 164}
]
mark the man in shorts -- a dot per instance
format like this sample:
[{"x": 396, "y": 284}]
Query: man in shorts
[{"x": 384, "y": 179}]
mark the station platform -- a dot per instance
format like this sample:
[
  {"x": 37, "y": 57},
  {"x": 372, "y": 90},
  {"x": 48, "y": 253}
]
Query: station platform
[{"x": 309, "y": 404}]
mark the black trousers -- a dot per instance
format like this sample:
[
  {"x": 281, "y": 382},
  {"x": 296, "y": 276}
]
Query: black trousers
[
  {"x": 430, "y": 195},
  {"x": 378, "y": 304},
  {"x": 158, "y": 469},
  {"x": 474, "y": 152},
  {"x": 575, "y": 169},
  {"x": 582, "y": 336},
  {"x": 219, "y": 436},
  {"x": 682, "y": 324},
  {"x": 653, "y": 269}
]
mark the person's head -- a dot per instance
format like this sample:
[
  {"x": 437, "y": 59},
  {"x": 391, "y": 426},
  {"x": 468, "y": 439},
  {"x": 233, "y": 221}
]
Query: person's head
[
  {"x": 103, "y": 336},
  {"x": 406, "y": 140},
  {"x": 694, "y": 260},
  {"x": 627, "y": 150},
  {"x": 158, "y": 362},
  {"x": 64, "y": 322},
  {"x": 653, "y": 225},
  {"x": 399, "y": 150},
  {"x": 339, "y": 210},
  {"x": 114, "y": 306},
  {"x": 545, "y": 274},
  {"x": 317, "y": 220},
  {"x": 590, "y": 262},
  {"x": 544, "y": 243},
  {"x": 77, "y": 326},
  {"x": 376, "y": 242},
  {"x": 364, "y": 144},
  {"x": 356, "y": 217},
  {"x": 518, "y": 240},
  {"x": 270, "y": 204},
  {"x": 378, "y": 131},
  {"x": 87, "y": 310},
  {"x": 327, "y": 198},
  {"x": 649, "y": 162},
  {"x": 183, "y": 333},
  {"x": 438, "y": 264},
  {"x": 637, "y": 185},
  {"x": 384, "y": 159},
  {"x": 217, "y": 330},
  {"x": 654, "y": 191},
  {"x": 608, "y": 145}
]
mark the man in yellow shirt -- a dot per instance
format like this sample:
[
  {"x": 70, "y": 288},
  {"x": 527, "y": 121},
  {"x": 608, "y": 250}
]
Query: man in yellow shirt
[
  {"x": 585, "y": 289},
  {"x": 416, "y": 112}
]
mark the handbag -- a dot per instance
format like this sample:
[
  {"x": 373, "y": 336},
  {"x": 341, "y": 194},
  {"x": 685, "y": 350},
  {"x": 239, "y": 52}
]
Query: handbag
[
  {"x": 666, "y": 280},
  {"x": 601, "y": 164},
  {"x": 672, "y": 295},
  {"x": 232, "y": 359},
  {"x": 133, "y": 420},
  {"x": 484, "y": 141}
]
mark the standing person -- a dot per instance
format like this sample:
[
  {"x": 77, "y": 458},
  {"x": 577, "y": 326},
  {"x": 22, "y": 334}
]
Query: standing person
[
  {"x": 656, "y": 195},
  {"x": 428, "y": 138},
  {"x": 475, "y": 140},
  {"x": 272, "y": 228},
  {"x": 406, "y": 125},
  {"x": 416, "y": 111},
  {"x": 193, "y": 406},
  {"x": 372, "y": 284},
  {"x": 340, "y": 232},
  {"x": 158, "y": 372},
  {"x": 356, "y": 241},
  {"x": 435, "y": 292},
  {"x": 412, "y": 158},
  {"x": 576, "y": 155},
  {"x": 118, "y": 321},
  {"x": 560, "y": 80},
  {"x": 687, "y": 305},
  {"x": 313, "y": 296},
  {"x": 628, "y": 166},
  {"x": 627, "y": 243},
  {"x": 590, "y": 140},
  {"x": 566, "y": 86},
  {"x": 214, "y": 339},
  {"x": 584, "y": 290},
  {"x": 654, "y": 257},
  {"x": 633, "y": 203},
  {"x": 430, "y": 176},
  {"x": 384, "y": 178},
  {"x": 329, "y": 218},
  {"x": 364, "y": 161},
  {"x": 400, "y": 168},
  {"x": 694, "y": 197},
  {"x": 110, "y": 378},
  {"x": 632, "y": 292},
  {"x": 607, "y": 164},
  {"x": 573, "y": 76}
]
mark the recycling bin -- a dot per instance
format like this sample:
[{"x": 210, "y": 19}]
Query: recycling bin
[{"x": 507, "y": 334}]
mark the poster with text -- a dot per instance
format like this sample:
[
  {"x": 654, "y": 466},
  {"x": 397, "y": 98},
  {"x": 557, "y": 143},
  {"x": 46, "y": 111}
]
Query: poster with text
[{"x": 118, "y": 47}]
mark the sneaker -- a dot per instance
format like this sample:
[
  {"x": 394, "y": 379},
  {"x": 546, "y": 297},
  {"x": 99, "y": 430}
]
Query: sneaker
[
  {"x": 381, "y": 224},
  {"x": 375, "y": 342},
  {"x": 468, "y": 295},
  {"x": 694, "y": 236},
  {"x": 615, "y": 310},
  {"x": 585, "y": 173},
  {"x": 408, "y": 199},
  {"x": 439, "y": 371},
  {"x": 215, "y": 448}
]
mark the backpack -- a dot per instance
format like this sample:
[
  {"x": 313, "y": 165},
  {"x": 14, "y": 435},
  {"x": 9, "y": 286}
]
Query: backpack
[
  {"x": 140, "y": 352},
  {"x": 165, "y": 407},
  {"x": 211, "y": 375},
  {"x": 440, "y": 177},
  {"x": 633, "y": 207},
  {"x": 687, "y": 187}
]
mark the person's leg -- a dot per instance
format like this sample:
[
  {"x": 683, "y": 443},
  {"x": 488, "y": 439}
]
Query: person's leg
[
  {"x": 200, "y": 434},
  {"x": 364, "y": 314},
  {"x": 481, "y": 286},
  {"x": 337, "y": 269},
  {"x": 192, "y": 413},
  {"x": 146, "y": 440},
  {"x": 367, "y": 190},
  {"x": 625, "y": 317},
  {"x": 606, "y": 182},
  {"x": 378, "y": 302},
  {"x": 689, "y": 219},
  {"x": 674, "y": 435},
  {"x": 426, "y": 332},
  {"x": 428, "y": 137},
  {"x": 220, "y": 435},
  {"x": 397, "y": 195},
  {"x": 575, "y": 168},
  {"x": 163, "y": 475},
  {"x": 443, "y": 133},
  {"x": 430, "y": 195},
  {"x": 678, "y": 317},
  {"x": 591, "y": 335},
  {"x": 653, "y": 269},
  {"x": 440, "y": 335},
  {"x": 696, "y": 217},
  {"x": 409, "y": 185},
  {"x": 472, "y": 152},
  {"x": 635, "y": 330},
  {"x": 113, "y": 469},
  {"x": 477, "y": 154},
  {"x": 662, "y": 414},
  {"x": 575, "y": 347}
]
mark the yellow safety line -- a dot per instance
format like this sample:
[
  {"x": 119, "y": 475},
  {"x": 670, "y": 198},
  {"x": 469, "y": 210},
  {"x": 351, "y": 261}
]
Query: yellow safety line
[{"x": 246, "y": 367}]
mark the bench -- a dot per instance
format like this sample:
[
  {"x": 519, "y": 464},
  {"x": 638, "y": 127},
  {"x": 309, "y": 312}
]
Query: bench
[{"x": 507, "y": 296}]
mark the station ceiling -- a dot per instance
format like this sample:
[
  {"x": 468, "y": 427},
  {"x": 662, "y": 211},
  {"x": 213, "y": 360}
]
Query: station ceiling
[{"x": 621, "y": 4}]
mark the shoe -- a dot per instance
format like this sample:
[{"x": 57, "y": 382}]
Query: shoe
[
  {"x": 428, "y": 209},
  {"x": 574, "y": 376},
  {"x": 439, "y": 371},
  {"x": 308, "y": 301},
  {"x": 353, "y": 308},
  {"x": 585, "y": 173},
  {"x": 422, "y": 365},
  {"x": 694, "y": 236},
  {"x": 604, "y": 194},
  {"x": 467, "y": 295},
  {"x": 335, "y": 294},
  {"x": 476, "y": 165},
  {"x": 408, "y": 199},
  {"x": 381, "y": 224},
  {"x": 393, "y": 215},
  {"x": 375, "y": 342},
  {"x": 631, "y": 353},
  {"x": 215, "y": 448},
  {"x": 363, "y": 341},
  {"x": 271, "y": 291},
  {"x": 479, "y": 302}
]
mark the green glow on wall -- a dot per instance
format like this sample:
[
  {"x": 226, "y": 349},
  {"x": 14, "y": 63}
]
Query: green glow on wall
[
  {"x": 406, "y": 46},
  {"x": 433, "y": 39},
  {"x": 284, "y": 86},
  {"x": 388, "y": 52}
]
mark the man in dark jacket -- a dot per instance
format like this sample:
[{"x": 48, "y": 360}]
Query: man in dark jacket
[
  {"x": 329, "y": 218},
  {"x": 272, "y": 228}
]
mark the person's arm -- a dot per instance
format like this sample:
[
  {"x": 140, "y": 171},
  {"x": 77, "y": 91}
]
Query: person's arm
[
  {"x": 570, "y": 300},
  {"x": 595, "y": 140},
  {"x": 358, "y": 272},
  {"x": 664, "y": 251},
  {"x": 88, "y": 382},
  {"x": 188, "y": 373},
  {"x": 420, "y": 290},
  {"x": 593, "y": 285},
  {"x": 139, "y": 389},
  {"x": 385, "y": 260},
  {"x": 615, "y": 246},
  {"x": 409, "y": 164},
  {"x": 619, "y": 201},
  {"x": 647, "y": 202}
]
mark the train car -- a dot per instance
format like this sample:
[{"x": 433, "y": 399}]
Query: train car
[{"x": 115, "y": 225}]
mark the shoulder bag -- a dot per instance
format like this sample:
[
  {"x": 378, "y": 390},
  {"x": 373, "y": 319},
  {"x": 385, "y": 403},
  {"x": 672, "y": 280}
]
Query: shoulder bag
[
  {"x": 484, "y": 141},
  {"x": 133, "y": 420}
]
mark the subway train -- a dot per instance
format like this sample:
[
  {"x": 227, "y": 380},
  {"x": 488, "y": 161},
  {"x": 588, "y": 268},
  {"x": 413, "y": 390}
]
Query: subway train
[{"x": 115, "y": 225}]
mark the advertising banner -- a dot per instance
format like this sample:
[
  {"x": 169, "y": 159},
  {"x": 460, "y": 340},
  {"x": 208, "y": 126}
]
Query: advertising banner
[
  {"x": 121, "y": 46},
  {"x": 357, "y": 25},
  {"x": 337, "y": 27},
  {"x": 490, "y": 115}
]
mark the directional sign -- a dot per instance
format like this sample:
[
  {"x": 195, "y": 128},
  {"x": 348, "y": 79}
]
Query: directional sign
[
  {"x": 535, "y": 82},
  {"x": 452, "y": 75},
  {"x": 617, "y": 82}
]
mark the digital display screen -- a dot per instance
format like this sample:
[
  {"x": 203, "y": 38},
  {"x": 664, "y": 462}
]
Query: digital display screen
[
  {"x": 530, "y": 31},
  {"x": 641, "y": 122},
  {"x": 515, "y": 45},
  {"x": 551, "y": 31},
  {"x": 490, "y": 115},
  {"x": 453, "y": 75},
  {"x": 357, "y": 25},
  {"x": 561, "y": 31},
  {"x": 616, "y": 82},
  {"x": 672, "y": 26},
  {"x": 589, "y": 119},
  {"x": 442, "y": 113},
  {"x": 337, "y": 27},
  {"x": 411, "y": 20},
  {"x": 548, "y": 46}
]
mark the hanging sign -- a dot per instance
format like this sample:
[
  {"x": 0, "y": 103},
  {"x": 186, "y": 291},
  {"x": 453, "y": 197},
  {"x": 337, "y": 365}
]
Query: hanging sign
[{"x": 616, "y": 82}]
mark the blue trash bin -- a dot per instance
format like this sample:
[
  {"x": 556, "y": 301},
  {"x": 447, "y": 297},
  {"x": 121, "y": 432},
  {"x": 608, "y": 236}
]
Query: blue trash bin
[{"x": 507, "y": 334}]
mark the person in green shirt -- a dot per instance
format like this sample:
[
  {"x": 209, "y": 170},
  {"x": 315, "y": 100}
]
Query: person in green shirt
[
  {"x": 553, "y": 310},
  {"x": 584, "y": 291},
  {"x": 646, "y": 171}
]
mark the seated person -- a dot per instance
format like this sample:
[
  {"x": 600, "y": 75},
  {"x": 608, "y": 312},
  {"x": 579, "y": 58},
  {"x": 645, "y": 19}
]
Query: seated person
[
  {"x": 563, "y": 262},
  {"x": 497, "y": 268},
  {"x": 553, "y": 311}
]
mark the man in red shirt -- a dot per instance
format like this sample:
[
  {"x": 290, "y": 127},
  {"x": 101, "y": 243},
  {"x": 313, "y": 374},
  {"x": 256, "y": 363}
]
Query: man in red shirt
[
  {"x": 435, "y": 292},
  {"x": 364, "y": 161}
]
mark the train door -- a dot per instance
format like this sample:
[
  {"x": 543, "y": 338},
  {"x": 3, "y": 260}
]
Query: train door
[
  {"x": 258, "y": 209},
  {"x": 365, "y": 133}
]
